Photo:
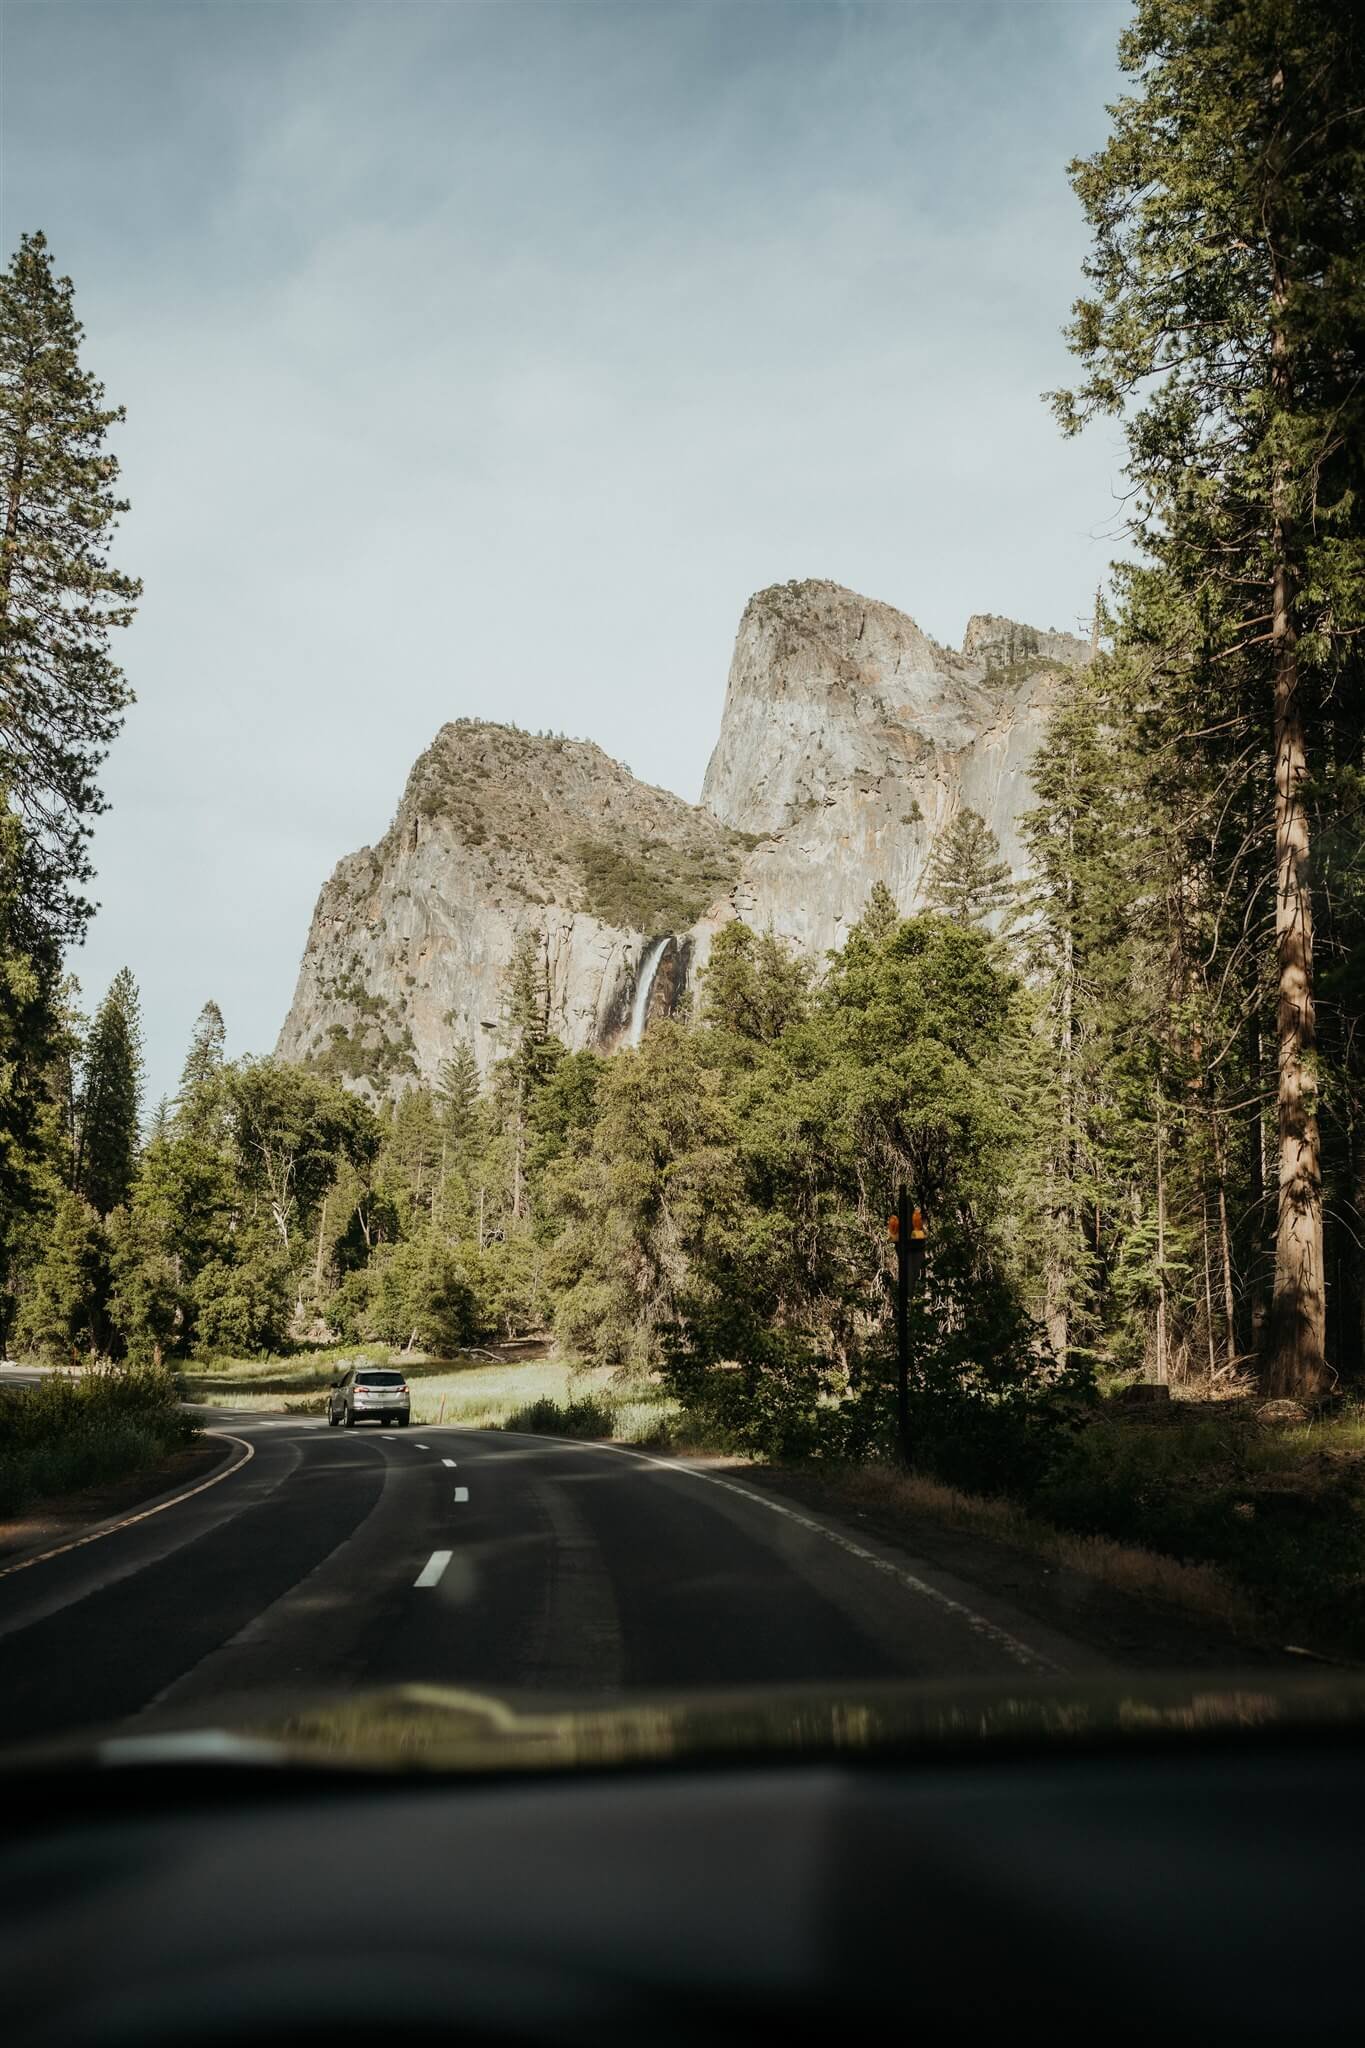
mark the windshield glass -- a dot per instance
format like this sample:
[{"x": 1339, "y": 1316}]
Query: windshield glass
[{"x": 680, "y": 974}]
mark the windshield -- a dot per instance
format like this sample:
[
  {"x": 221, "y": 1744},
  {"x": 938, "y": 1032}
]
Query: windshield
[{"x": 680, "y": 974}]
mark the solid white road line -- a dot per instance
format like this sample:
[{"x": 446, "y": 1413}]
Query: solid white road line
[
  {"x": 462, "y": 1493},
  {"x": 450, "y": 1462},
  {"x": 430, "y": 1574},
  {"x": 127, "y": 1521},
  {"x": 990, "y": 1631}
]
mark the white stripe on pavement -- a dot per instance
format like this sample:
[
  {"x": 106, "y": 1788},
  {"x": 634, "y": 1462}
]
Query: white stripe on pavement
[
  {"x": 462, "y": 1493},
  {"x": 450, "y": 1462},
  {"x": 430, "y": 1573}
]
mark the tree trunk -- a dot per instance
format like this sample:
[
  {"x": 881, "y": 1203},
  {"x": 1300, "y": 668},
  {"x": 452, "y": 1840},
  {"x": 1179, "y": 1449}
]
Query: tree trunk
[
  {"x": 1208, "y": 1278},
  {"x": 1225, "y": 1248},
  {"x": 1258, "y": 1164},
  {"x": 317, "y": 1270},
  {"x": 1163, "y": 1370},
  {"x": 1297, "y": 1365}
]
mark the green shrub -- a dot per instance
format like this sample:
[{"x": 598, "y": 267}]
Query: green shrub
[
  {"x": 586, "y": 1417},
  {"x": 84, "y": 1431}
]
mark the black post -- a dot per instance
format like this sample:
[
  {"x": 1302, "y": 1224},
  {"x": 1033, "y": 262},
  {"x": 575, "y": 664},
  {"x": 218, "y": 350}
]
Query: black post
[{"x": 903, "y": 1257}]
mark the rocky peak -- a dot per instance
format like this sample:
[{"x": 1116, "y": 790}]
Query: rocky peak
[
  {"x": 849, "y": 739},
  {"x": 1004, "y": 644},
  {"x": 499, "y": 833}
]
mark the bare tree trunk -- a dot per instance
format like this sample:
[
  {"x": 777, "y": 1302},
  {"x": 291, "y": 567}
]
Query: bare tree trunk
[
  {"x": 1208, "y": 1277},
  {"x": 1225, "y": 1249},
  {"x": 1258, "y": 1163},
  {"x": 317, "y": 1268},
  {"x": 1163, "y": 1369},
  {"x": 1297, "y": 1365}
]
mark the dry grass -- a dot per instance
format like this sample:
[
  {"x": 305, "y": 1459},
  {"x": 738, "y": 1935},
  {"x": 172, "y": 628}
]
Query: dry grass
[{"x": 1129, "y": 1568}]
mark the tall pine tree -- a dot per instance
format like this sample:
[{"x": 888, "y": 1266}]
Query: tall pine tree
[
  {"x": 61, "y": 695},
  {"x": 1226, "y": 324},
  {"x": 966, "y": 878},
  {"x": 106, "y": 1154}
]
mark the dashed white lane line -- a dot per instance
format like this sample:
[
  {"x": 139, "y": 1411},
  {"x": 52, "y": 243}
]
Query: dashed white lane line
[
  {"x": 450, "y": 1462},
  {"x": 462, "y": 1493},
  {"x": 421, "y": 1447},
  {"x": 430, "y": 1574}
]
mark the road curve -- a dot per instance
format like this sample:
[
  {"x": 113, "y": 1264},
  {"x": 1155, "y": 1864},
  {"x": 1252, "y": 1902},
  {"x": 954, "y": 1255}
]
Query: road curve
[{"x": 521, "y": 1565}]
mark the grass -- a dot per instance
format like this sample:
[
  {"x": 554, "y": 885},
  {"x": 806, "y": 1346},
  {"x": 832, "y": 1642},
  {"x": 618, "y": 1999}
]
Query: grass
[
  {"x": 1129, "y": 1568},
  {"x": 1279, "y": 1512},
  {"x": 65, "y": 1434},
  {"x": 548, "y": 1397}
]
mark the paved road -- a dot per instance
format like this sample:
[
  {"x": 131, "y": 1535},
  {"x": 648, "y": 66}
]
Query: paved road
[
  {"x": 32, "y": 1375},
  {"x": 329, "y": 1560}
]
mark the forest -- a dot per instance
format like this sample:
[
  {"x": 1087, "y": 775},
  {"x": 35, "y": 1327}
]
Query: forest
[{"x": 1128, "y": 1091}]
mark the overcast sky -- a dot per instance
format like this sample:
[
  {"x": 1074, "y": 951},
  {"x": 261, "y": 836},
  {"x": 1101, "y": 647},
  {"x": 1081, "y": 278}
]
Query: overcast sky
[{"x": 482, "y": 358}]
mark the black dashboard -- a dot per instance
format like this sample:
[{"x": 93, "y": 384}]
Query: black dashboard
[{"x": 1209, "y": 1892}]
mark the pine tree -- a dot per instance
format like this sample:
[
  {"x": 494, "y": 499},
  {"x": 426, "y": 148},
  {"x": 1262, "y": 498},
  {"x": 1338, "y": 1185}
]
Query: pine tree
[
  {"x": 1227, "y": 325},
  {"x": 204, "y": 1060},
  {"x": 61, "y": 696},
  {"x": 62, "y": 1311},
  {"x": 966, "y": 878},
  {"x": 28, "y": 1028},
  {"x": 111, "y": 1098},
  {"x": 457, "y": 1091}
]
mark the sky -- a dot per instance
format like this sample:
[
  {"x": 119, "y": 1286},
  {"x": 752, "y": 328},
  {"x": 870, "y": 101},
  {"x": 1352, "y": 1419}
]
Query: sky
[{"x": 482, "y": 358}]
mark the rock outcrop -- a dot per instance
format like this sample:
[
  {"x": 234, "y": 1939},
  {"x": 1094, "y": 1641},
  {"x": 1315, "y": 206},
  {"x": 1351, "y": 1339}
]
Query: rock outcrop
[
  {"x": 849, "y": 738},
  {"x": 500, "y": 834}
]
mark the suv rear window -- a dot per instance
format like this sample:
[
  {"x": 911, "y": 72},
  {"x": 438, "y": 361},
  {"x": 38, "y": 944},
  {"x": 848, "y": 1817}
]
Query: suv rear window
[{"x": 379, "y": 1379}]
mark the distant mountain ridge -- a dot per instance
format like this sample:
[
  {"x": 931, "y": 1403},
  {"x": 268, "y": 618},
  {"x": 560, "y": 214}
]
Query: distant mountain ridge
[{"x": 848, "y": 739}]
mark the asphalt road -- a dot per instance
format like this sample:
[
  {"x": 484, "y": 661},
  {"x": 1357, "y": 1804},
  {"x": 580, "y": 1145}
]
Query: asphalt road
[{"x": 330, "y": 1560}]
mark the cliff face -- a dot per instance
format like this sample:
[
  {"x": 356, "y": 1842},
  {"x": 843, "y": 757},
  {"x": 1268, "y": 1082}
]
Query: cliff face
[
  {"x": 499, "y": 834},
  {"x": 848, "y": 739}
]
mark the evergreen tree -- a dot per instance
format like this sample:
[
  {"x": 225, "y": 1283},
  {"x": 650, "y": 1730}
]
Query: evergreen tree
[
  {"x": 61, "y": 696},
  {"x": 457, "y": 1091},
  {"x": 966, "y": 878},
  {"x": 111, "y": 1098},
  {"x": 61, "y": 1315},
  {"x": 1227, "y": 325},
  {"x": 29, "y": 1030},
  {"x": 881, "y": 916},
  {"x": 204, "y": 1060},
  {"x": 754, "y": 985}
]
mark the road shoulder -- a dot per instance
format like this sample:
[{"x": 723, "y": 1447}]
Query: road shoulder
[
  {"x": 1135, "y": 1633},
  {"x": 66, "y": 1517}
]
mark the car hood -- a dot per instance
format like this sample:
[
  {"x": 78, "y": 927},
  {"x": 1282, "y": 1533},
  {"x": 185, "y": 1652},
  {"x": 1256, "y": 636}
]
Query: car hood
[{"x": 433, "y": 1728}]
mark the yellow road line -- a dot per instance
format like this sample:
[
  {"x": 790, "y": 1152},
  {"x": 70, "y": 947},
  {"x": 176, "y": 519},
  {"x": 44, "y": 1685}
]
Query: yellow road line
[{"x": 127, "y": 1521}]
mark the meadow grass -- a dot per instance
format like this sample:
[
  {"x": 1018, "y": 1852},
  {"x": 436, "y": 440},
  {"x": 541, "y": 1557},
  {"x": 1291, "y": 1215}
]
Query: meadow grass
[{"x": 545, "y": 1396}]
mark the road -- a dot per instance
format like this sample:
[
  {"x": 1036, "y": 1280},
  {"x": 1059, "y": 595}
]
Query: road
[{"x": 329, "y": 1560}]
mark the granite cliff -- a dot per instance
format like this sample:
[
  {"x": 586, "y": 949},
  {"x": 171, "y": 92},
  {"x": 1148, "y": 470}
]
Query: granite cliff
[{"x": 848, "y": 739}]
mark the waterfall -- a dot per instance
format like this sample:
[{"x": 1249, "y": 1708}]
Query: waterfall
[{"x": 640, "y": 1006}]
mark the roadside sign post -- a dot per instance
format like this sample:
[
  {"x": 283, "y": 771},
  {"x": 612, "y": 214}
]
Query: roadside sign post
[{"x": 907, "y": 1233}]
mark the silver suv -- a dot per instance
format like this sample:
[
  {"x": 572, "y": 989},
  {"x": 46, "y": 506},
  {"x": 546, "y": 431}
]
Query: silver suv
[{"x": 369, "y": 1394}]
